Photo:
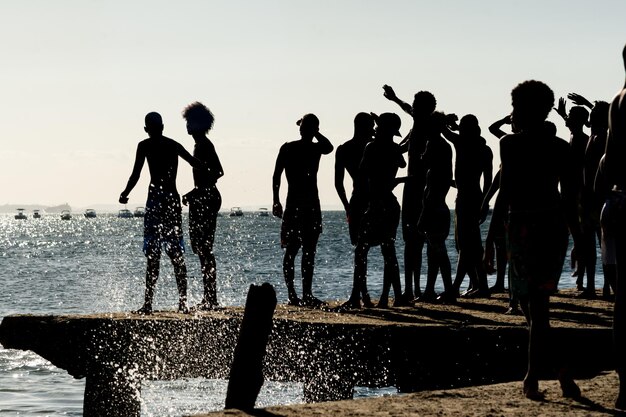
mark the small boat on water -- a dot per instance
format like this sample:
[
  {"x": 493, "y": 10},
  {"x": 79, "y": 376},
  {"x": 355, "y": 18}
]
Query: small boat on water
[
  {"x": 139, "y": 212},
  {"x": 66, "y": 215},
  {"x": 20, "y": 214},
  {"x": 90, "y": 213},
  {"x": 36, "y": 214},
  {"x": 236, "y": 212},
  {"x": 125, "y": 214},
  {"x": 264, "y": 212}
]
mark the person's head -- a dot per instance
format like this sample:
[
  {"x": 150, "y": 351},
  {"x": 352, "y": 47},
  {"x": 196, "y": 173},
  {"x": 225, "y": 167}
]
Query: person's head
[
  {"x": 532, "y": 101},
  {"x": 468, "y": 126},
  {"x": 153, "y": 124},
  {"x": 599, "y": 118},
  {"x": 363, "y": 125},
  {"x": 309, "y": 126},
  {"x": 424, "y": 103},
  {"x": 388, "y": 125},
  {"x": 577, "y": 117},
  {"x": 199, "y": 118}
]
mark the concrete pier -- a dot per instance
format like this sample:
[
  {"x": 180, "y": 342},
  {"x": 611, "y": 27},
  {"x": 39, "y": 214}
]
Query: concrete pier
[{"x": 413, "y": 348}]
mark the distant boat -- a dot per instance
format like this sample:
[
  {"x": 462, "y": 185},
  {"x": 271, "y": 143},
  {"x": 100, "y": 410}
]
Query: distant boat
[
  {"x": 66, "y": 215},
  {"x": 263, "y": 212},
  {"x": 36, "y": 214},
  {"x": 139, "y": 212},
  {"x": 236, "y": 212},
  {"x": 125, "y": 214},
  {"x": 20, "y": 214},
  {"x": 90, "y": 213}
]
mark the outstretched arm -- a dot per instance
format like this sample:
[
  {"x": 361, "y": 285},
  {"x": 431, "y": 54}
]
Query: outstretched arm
[
  {"x": 193, "y": 161},
  {"x": 579, "y": 100},
  {"x": 391, "y": 95},
  {"x": 496, "y": 127},
  {"x": 140, "y": 157}
]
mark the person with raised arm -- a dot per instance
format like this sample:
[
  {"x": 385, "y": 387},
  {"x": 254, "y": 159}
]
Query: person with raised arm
[
  {"x": 575, "y": 120},
  {"x": 424, "y": 104},
  {"x": 163, "y": 216},
  {"x": 591, "y": 201},
  {"x": 302, "y": 217}
]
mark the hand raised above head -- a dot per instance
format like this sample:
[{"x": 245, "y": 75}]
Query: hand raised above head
[
  {"x": 579, "y": 100},
  {"x": 561, "y": 108},
  {"x": 388, "y": 92}
]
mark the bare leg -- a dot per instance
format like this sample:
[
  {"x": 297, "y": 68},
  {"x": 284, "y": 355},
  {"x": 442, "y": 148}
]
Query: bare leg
[
  {"x": 535, "y": 308},
  {"x": 288, "y": 270},
  {"x": 209, "y": 280},
  {"x": 392, "y": 272},
  {"x": 308, "y": 266},
  {"x": 152, "y": 275},
  {"x": 180, "y": 271},
  {"x": 619, "y": 321},
  {"x": 359, "y": 287},
  {"x": 412, "y": 267}
]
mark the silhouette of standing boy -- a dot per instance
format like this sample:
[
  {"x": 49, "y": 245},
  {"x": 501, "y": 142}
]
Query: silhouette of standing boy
[
  {"x": 205, "y": 199},
  {"x": 348, "y": 158},
  {"x": 380, "y": 163},
  {"x": 302, "y": 218},
  {"x": 538, "y": 203},
  {"x": 162, "y": 220},
  {"x": 613, "y": 225}
]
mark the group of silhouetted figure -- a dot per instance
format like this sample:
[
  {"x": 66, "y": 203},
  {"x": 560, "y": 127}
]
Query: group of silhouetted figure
[{"x": 548, "y": 190}]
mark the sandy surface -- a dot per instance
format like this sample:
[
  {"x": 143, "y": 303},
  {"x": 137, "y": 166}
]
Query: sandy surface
[
  {"x": 567, "y": 310},
  {"x": 505, "y": 399}
]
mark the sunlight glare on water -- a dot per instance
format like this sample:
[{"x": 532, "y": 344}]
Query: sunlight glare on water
[{"x": 52, "y": 266}]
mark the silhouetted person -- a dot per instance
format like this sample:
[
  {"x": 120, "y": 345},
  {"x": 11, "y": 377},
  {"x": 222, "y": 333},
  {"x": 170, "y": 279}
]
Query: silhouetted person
[
  {"x": 434, "y": 221},
  {"x": 499, "y": 240},
  {"x": 162, "y": 219},
  {"x": 613, "y": 219},
  {"x": 421, "y": 110},
  {"x": 302, "y": 219},
  {"x": 348, "y": 158},
  {"x": 473, "y": 161},
  {"x": 204, "y": 200},
  {"x": 575, "y": 120},
  {"x": 379, "y": 166},
  {"x": 538, "y": 202},
  {"x": 591, "y": 202}
]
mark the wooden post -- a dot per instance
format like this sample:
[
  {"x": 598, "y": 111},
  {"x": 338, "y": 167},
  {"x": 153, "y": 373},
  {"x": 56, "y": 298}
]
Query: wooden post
[{"x": 246, "y": 372}]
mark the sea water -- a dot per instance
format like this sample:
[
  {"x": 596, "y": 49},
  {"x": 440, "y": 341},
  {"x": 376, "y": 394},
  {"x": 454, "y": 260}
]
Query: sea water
[{"x": 54, "y": 266}]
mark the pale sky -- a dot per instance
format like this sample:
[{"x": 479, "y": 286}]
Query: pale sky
[{"x": 79, "y": 76}]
